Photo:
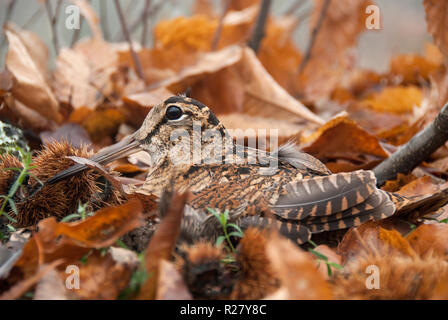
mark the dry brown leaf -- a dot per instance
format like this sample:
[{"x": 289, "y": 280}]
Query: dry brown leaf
[
  {"x": 204, "y": 7},
  {"x": 206, "y": 63},
  {"x": 371, "y": 238},
  {"x": 21, "y": 288},
  {"x": 329, "y": 58},
  {"x": 92, "y": 19},
  {"x": 412, "y": 68},
  {"x": 242, "y": 4},
  {"x": 103, "y": 63},
  {"x": 437, "y": 20},
  {"x": 179, "y": 41},
  {"x": 30, "y": 86},
  {"x": 261, "y": 86},
  {"x": 35, "y": 46},
  {"x": 399, "y": 182},
  {"x": 395, "y": 99},
  {"x": 148, "y": 99},
  {"x": 72, "y": 80},
  {"x": 103, "y": 228},
  {"x": 439, "y": 92},
  {"x": 385, "y": 125},
  {"x": 432, "y": 54},
  {"x": 403, "y": 273},
  {"x": 70, "y": 132},
  {"x": 162, "y": 245},
  {"x": 102, "y": 277},
  {"x": 430, "y": 239},
  {"x": 398, "y": 277},
  {"x": 127, "y": 168},
  {"x": 330, "y": 143},
  {"x": 139, "y": 104},
  {"x": 297, "y": 270},
  {"x": 419, "y": 187},
  {"x": 278, "y": 53},
  {"x": 18, "y": 113},
  {"x": 171, "y": 285},
  {"x": 71, "y": 241},
  {"x": 51, "y": 287},
  {"x": 103, "y": 124},
  {"x": 6, "y": 83},
  {"x": 248, "y": 88}
]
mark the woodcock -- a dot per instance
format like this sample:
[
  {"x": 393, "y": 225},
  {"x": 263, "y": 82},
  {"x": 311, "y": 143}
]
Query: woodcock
[{"x": 285, "y": 188}]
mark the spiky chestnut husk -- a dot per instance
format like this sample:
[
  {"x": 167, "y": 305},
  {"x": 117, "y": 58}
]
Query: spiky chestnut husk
[
  {"x": 62, "y": 198},
  {"x": 400, "y": 277},
  {"x": 7, "y": 176},
  {"x": 205, "y": 275},
  {"x": 256, "y": 277}
]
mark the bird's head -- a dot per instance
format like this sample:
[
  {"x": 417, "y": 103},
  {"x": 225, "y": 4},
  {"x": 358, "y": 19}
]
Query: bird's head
[{"x": 177, "y": 120}]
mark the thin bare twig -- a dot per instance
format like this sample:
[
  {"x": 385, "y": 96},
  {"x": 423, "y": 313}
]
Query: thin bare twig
[
  {"x": 153, "y": 10},
  {"x": 419, "y": 148},
  {"x": 103, "y": 19},
  {"x": 9, "y": 11},
  {"x": 36, "y": 15},
  {"x": 145, "y": 22},
  {"x": 259, "y": 30},
  {"x": 314, "y": 34},
  {"x": 218, "y": 31},
  {"x": 301, "y": 19},
  {"x": 294, "y": 7},
  {"x": 53, "y": 18},
  {"x": 129, "y": 8},
  {"x": 137, "y": 64}
]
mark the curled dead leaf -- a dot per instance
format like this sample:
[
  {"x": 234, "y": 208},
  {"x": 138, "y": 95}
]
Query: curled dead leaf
[
  {"x": 329, "y": 143},
  {"x": 162, "y": 244},
  {"x": 436, "y": 12},
  {"x": 430, "y": 239},
  {"x": 297, "y": 270},
  {"x": 171, "y": 285},
  {"x": 71, "y": 241},
  {"x": 30, "y": 83}
]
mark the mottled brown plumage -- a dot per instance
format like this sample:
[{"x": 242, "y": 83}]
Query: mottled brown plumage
[{"x": 286, "y": 188}]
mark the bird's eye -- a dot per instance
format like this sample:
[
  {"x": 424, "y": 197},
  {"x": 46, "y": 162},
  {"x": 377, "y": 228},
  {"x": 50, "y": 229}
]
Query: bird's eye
[{"x": 173, "y": 113}]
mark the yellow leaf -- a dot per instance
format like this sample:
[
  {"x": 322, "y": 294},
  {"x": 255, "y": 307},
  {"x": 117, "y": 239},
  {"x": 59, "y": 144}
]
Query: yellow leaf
[{"x": 395, "y": 99}]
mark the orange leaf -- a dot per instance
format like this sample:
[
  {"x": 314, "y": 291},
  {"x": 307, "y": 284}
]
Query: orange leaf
[
  {"x": 71, "y": 241},
  {"x": 430, "y": 239},
  {"x": 103, "y": 123},
  {"x": 419, "y": 187},
  {"x": 330, "y": 142},
  {"x": 162, "y": 244},
  {"x": 278, "y": 53},
  {"x": 371, "y": 238},
  {"x": 171, "y": 285},
  {"x": 437, "y": 20},
  {"x": 296, "y": 270},
  {"x": 343, "y": 23},
  {"x": 412, "y": 68},
  {"x": 395, "y": 99}
]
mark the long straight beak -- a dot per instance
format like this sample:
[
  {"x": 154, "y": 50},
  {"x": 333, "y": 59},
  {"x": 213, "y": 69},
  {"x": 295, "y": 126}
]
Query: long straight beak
[{"x": 124, "y": 148}]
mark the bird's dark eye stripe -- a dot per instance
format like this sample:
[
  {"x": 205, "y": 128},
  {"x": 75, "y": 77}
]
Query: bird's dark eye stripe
[{"x": 173, "y": 112}]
